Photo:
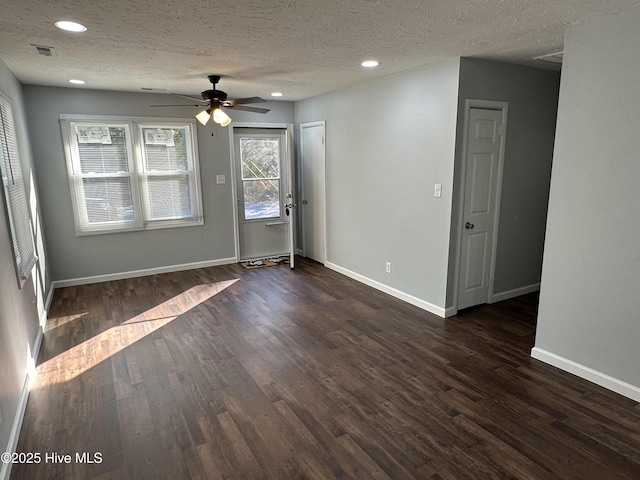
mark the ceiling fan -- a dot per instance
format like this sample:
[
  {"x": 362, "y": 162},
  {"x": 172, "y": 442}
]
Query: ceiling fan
[{"x": 214, "y": 100}]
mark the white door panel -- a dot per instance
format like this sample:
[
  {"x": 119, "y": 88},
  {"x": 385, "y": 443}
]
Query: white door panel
[
  {"x": 261, "y": 184},
  {"x": 480, "y": 200},
  {"x": 312, "y": 149},
  {"x": 475, "y": 272},
  {"x": 482, "y": 172}
]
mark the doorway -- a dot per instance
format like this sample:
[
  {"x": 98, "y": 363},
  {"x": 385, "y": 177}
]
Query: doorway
[
  {"x": 485, "y": 129},
  {"x": 262, "y": 179},
  {"x": 312, "y": 208}
]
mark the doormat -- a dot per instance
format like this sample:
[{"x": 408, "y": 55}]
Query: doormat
[{"x": 265, "y": 262}]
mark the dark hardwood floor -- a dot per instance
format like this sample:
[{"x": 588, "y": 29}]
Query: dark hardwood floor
[{"x": 227, "y": 373}]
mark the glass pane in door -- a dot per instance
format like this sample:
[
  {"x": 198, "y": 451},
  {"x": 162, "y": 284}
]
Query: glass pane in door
[{"x": 260, "y": 162}]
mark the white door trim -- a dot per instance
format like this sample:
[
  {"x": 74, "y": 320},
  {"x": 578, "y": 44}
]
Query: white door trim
[
  {"x": 234, "y": 190},
  {"x": 320, "y": 123},
  {"x": 487, "y": 105},
  {"x": 291, "y": 194}
]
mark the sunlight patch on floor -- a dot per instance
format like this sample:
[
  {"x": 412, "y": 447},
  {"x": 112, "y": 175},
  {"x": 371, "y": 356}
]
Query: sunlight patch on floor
[
  {"x": 53, "y": 323},
  {"x": 77, "y": 360}
]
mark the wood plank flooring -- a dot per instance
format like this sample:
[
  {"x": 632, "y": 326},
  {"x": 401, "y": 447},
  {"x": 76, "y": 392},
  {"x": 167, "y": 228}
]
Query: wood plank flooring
[{"x": 227, "y": 373}]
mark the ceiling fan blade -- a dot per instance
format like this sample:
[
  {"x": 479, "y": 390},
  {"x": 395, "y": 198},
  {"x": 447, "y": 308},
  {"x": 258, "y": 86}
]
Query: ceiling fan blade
[
  {"x": 241, "y": 101},
  {"x": 197, "y": 99},
  {"x": 249, "y": 109},
  {"x": 182, "y": 105}
]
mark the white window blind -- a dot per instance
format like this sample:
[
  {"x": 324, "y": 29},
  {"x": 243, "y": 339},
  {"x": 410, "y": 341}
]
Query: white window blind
[
  {"x": 120, "y": 181},
  {"x": 168, "y": 173},
  {"x": 15, "y": 194},
  {"x": 101, "y": 176}
]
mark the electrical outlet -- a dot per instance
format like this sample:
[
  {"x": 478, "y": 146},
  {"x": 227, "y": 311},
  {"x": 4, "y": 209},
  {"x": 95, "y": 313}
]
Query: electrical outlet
[
  {"x": 387, "y": 268},
  {"x": 221, "y": 179},
  {"x": 437, "y": 190}
]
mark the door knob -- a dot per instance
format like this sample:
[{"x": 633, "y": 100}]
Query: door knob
[
  {"x": 304, "y": 202},
  {"x": 469, "y": 226}
]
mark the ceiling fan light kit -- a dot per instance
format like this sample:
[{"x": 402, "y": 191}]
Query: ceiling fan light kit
[
  {"x": 203, "y": 117},
  {"x": 214, "y": 100},
  {"x": 220, "y": 117}
]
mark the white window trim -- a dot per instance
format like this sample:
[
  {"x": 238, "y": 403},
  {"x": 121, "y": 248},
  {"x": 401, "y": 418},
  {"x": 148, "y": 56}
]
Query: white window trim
[
  {"x": 277, "y": 178},
  {"x": 133, "y": 127},
  {"x": 193, "y": 173},
  {"x": 76, "y": 177},
  {"x": 15, "y": 196}
]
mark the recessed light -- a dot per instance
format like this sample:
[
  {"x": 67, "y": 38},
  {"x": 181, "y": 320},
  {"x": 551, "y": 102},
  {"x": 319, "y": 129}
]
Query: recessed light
[
  {"x": 370, "y": 63},
  {"x": 276, "y": 94},
  {"x": 70, "y": 26},
  {"x": 77, "y": 82}
]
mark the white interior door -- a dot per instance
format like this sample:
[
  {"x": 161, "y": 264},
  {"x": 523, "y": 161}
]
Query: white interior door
[
  {"x": 483, "y": 164},
  {"x": 262, "y": 180},
  {"x": 312, "y": 148}
]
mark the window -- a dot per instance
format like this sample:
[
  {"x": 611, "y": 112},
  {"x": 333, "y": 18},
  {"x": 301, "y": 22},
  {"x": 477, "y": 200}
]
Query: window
[
  {"x": 260, "y": 159},
  {"x": 15, "y": 194},
  {"x": 132, "y": 174}
]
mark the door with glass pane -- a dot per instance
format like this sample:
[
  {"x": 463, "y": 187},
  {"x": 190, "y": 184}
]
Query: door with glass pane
[{"x": 261, "y": 183}]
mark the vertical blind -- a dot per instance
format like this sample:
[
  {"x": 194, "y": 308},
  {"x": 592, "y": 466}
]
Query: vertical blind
[{"x": 15, "y": 194}]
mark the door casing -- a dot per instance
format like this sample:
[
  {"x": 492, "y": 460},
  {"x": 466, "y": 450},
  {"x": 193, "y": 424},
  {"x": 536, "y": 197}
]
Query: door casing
[{"x": 288, "y": 127}]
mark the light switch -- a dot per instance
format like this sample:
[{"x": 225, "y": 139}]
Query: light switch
[
  {"x": 221, "y": 179},
  {"x": 437, "y": 190}
]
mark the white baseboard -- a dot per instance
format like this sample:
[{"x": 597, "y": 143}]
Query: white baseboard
[
  {"x": 47, "y": 301},
  {"x": 5, "y": 468},
  {"x": 516, "y": 292},
  {"x": 141, "y": 273},
  {"x": 450, "y": 312},
  {"x": 594, "y": 376},
  {"x": 429, "y": 307}
]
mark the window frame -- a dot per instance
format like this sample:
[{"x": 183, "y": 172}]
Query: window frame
[
  {"x": 245, "y": 180},
  {"x": 193, "y": 173},
  {"x": 15, "y": 194},
  {"x": 137, "y": 174},
  {"x": 77, "y": 178}
]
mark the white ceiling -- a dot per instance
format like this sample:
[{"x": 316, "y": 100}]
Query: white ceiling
[{"x": 299, "y": 47}]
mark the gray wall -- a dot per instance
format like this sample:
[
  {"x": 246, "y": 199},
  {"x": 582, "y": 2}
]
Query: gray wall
[
  {"x": 590, "y": 298},
  {"x": 381, "y": 172},
  {"x": 532, "y": 95},
  {"x": 388, "y": 142},
  {"x": 20, "y": 309},
  {"x": 74, "y": 257}
]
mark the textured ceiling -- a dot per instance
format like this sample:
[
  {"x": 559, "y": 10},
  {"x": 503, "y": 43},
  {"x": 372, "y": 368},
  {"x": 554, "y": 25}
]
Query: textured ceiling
[{"x": 299, "y": 47}]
